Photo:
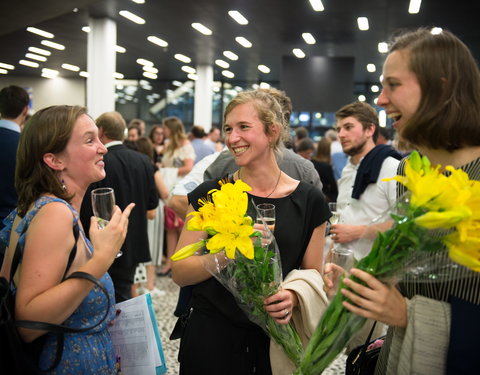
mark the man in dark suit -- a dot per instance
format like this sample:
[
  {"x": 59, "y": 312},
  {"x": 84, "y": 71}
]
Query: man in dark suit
[{"x": 130, "y": 174}]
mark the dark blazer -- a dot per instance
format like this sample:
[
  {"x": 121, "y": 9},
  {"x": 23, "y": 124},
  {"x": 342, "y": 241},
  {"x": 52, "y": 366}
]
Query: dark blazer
[{"x": 130, "y": 174}]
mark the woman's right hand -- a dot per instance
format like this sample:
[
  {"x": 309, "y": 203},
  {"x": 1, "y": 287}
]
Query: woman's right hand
[{"x": 108, "y": 241}]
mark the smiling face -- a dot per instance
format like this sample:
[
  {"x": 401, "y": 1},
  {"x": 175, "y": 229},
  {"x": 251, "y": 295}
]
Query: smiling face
[
  {"x": 245, "y": 135},
  {"x": 401, "y": 93},
  {"x": 82, "y": 159}
]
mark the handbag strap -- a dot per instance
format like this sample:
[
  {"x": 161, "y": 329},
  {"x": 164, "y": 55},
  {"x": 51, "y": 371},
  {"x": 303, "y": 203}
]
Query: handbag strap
[{"x": 361, "y": 355}]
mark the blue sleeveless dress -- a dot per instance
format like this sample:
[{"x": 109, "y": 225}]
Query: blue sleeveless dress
[{"x": 91, "y": 352}]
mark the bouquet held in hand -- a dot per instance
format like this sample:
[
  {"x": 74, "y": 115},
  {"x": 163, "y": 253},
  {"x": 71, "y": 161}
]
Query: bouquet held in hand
[
  {"x": 440, "y": 213},
  {"x": 246, "y": 262}
]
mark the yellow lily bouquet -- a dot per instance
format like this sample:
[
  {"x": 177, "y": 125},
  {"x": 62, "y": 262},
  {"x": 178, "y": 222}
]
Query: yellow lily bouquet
[
  {"x": 251, "y": 268},
  {"x": 440, "y": 212}
]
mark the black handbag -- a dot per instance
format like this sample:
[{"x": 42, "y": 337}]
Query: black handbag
[
  {"x": 20, "y": 357},
  {"x": 362, "y": 361}
]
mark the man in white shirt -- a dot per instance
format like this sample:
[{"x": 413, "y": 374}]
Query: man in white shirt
[{"x": 362, "y": 193}]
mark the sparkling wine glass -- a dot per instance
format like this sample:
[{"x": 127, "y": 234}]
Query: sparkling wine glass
[
  {"x": 266, "y": 215},
  {"x": 335, "y": 218},
  {"x": 103, "y": 202}
]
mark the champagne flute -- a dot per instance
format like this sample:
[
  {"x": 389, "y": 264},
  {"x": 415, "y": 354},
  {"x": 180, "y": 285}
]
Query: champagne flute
[
  {"x": 266, "y": 215},
  {"x": 335, "y": 215},
  {"x": 103, "y": 202}
]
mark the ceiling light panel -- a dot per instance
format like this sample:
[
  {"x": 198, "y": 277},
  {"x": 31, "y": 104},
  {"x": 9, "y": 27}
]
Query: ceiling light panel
[
  {"x": 132, "y": 17},
  {"x": 201, "y": 28},
  {"x": 298, "y": 53},
  {"x": 150, "y": 75},
  {"x": 243, "y": 42},
  {"x": 120, "y": 49},
  {"x": 6, "y": 66},
  {"x": 237, "y": 16},
  {"x": 35, "y": 57},
  {"x": 308, "y": 38},
  {"x": 382, "y": 47},
  {"x": 117, "y": 75},
  {"x": 371, "y": 68},
  {"x": 317, "y": 5},
  {"x": 43, "y": 33},
  {"x": 150, "y": 69},
  {"x": 192, "y": 76},
  {"x": 71, "y": 67},
  {"x": 86, "y": 29},
  {"x": 139, "y": 1},
  {"x": 228, "y": 74},
  {"x": 188, "y": 69},
  {"x": 144, "y": 62},
  {"x": 264, "y": 69},
  {"x": 3, "y": 71},
  {"x": 230, "y": 55},
  {"x": 84, "y": 74},
  {"x": 29, "y": 63},
  {"x": 183, "y": 58},
  {"x": 39, "y": 51},
  {"x": 223, "y": 64},
  {"x": 414, "y": 6},
  {"x": 156, "y": 40},
  {"x": 363, "y": 23},
  {"x": 50, "y": 44}
]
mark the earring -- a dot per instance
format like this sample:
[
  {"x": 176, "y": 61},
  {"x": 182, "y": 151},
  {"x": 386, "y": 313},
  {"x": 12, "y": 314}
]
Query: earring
[{"x": 64, "y": 187}]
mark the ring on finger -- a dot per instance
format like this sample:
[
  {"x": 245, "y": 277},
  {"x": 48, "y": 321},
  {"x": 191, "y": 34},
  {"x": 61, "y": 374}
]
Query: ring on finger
[{"x": 286, "y": 313}]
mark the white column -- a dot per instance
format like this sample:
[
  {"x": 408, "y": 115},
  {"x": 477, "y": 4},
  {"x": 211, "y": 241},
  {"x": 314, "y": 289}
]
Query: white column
[
  {"x": 202, "y": 114},
  {"x": 101, "y": 64}
]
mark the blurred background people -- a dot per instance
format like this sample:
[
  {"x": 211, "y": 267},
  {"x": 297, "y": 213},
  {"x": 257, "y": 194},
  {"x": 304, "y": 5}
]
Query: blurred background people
[
  {"x": 199, "y": 144},
  {"x": 321, "y": 161}
]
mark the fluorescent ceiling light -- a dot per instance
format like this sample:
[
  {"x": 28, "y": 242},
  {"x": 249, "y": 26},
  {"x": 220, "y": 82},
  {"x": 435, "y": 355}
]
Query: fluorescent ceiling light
[
  {"x": 139, "y": 1},
  {"x": 29, "y": 63},
  {"x": 150, "y": 75},
  {"x": 39, "y": 51},
  {"x": 376, "y": 103},
  {"x": 228, "y": 74},
  {"x": 414, "y": 6},
  {"x": 177, "y": 83},
  {"x": 192, "y": 76},
  {"x": 243, "y": 41},
  {"x": 144, "y": 62},
  {"x": 43, "y": 33},
  {"x": 50, "y": 44},
  {"x": 157, "y": 41},
  {"x": 3, "y": 71},
  {"x": 188, "y": 69},
  {"x": 84, "y": 74},
  {"x": 6, "y": 66},
  {"x": 35, "y": 57},
  {"x": 49, "y": 73},
  {"x": 71, "y": 67},
  {"x": 202, "y": 29},
  {"x": 371, "y": 68},
  {"x": 264, "y": 85},
  {"x": 86, "y": 29},
  {"x": 264, "y": 69},
  {"x": 230, "y": 55},
  {"x": 237, "y": 16},
  {"x": 308, "y": 38},
  {"x": 183, "y": 58},
  {"x": 132, "y": 17},
  {"x": 436, "y": 30},
  {"x": 118, "y": 75},
  {"x": 299, "y": 53},
  {"x": 223, "y": 64},
  {"x": 317, "y": 5},
  {"x": 382, "y": 47},
  {"x": 375, "y": 88},
  {"x": 120, "y": 49},
  {"x": 150, "y": 69},
  {"x": 361, "y": 98},
  {"x": 363, "y": 23}
]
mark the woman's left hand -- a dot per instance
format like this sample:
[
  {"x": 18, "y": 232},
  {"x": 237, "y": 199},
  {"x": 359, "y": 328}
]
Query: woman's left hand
[
  {"x": 376, "y": 301},
  {"x": 280, "y": 305}
]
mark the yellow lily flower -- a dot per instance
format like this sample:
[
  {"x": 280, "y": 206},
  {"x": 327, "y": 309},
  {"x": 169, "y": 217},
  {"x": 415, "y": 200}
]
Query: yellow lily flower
[
  {"x": 230, "y": 241},
  {"x": 444, "y": 219},
  {"x": 188, "y": 250}
]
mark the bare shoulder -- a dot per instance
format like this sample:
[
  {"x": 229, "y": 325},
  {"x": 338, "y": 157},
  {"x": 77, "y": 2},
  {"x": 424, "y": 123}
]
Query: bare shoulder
[{"x": 53, "y": 217}]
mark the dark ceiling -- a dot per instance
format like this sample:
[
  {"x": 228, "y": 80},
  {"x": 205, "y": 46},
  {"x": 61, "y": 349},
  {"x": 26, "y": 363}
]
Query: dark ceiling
[{"x": 275, "y": 28}]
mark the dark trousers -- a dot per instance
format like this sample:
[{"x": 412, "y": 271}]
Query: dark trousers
[{"x": 122, "y": 281}]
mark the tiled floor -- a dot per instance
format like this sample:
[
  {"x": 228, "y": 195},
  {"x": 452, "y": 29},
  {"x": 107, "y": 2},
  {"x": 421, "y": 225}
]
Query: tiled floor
[{"x": 164, "y": 307}]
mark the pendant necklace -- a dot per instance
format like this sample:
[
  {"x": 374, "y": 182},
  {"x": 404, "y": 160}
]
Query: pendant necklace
[{"x": 275, "y": 188}]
